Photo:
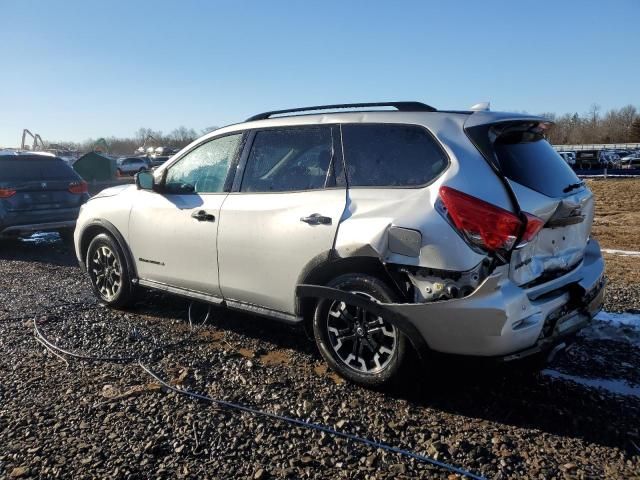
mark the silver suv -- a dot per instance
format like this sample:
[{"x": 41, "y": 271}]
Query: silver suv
[
  {"x": 132, "y": 165},
  {"x": 461, "y": 232}
]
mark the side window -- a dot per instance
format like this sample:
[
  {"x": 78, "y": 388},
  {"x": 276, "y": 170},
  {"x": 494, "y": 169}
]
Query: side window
[
  {"x": 290, "y": 159},
  {"x": 204, "y": 169},
  {"x": 390, "y": 155}
]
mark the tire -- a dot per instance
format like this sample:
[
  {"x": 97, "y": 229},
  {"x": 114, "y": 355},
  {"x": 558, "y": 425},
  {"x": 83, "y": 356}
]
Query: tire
[
  {"x": 338, "y": 352},
  {"x": 119, "y": 173},
  {"x": 113, "y": 287}
]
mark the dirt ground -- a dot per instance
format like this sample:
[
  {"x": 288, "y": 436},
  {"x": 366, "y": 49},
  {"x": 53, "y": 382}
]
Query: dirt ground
[
  {"x": 617, "y": 214},
  {"x": 617, "y": 225}
]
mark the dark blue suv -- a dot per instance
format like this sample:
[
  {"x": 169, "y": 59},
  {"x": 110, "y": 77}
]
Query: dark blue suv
[{"x": 39, "y": 193}]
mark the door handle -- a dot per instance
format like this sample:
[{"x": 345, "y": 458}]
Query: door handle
[
  {"x": 316, "y": 219},
  {"x": 203, "y": 216}
]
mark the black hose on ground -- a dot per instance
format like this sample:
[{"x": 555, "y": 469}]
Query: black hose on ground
[
  {"x": 312, "y": 426},
  {"x": 41, "y": 337},
  {"x": 57, "y": 350}
]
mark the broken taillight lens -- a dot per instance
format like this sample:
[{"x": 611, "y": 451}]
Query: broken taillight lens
[
  {"x": 79, "y": 187},
  {"x": 485, "y": 225},
  {"x": 6, "y": 192},
  {"x": 534, "y": 225}
]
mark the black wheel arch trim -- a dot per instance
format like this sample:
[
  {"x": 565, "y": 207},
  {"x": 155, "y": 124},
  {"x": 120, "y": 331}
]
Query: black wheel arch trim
[
  {"x": 403, "y": 324},
  {"x": 111, "y": 228}
]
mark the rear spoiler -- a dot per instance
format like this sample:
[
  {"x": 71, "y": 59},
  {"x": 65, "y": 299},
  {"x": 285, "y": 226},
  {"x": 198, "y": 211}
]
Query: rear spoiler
[{"x": 482, "y": 126}]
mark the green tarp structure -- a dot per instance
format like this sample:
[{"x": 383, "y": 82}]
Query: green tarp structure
[{"x": 93, "y": 167}]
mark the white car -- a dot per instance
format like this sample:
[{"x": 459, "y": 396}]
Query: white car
[
  {"x": 569, "y": 157},
  {"x": 631, "y": 161},
  {"x": 609, "y": 159},
  {"x": 448, "y": 231},
  {"x": 132, "y": 165}
]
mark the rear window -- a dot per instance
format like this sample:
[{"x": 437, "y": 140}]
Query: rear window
[
  {"x": 391, "y": 155},
  {"x": 535, "y": 165},
  {"x": 21, "y": 169}
]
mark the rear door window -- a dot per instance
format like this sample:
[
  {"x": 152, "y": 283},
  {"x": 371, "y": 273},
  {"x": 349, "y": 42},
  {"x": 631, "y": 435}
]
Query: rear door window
[
  {"x": 290, "y": 159},
  {"x": 21, "y": 169},
  {"x": 387, "y": 155},
  {"x": 536, "y": 165}
]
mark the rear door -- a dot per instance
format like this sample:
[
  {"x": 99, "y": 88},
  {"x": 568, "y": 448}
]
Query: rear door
[
  {"x": 173, "y": 233},
  {"x": 283, "y": 216},
  {"x": 38, "y": 183}
]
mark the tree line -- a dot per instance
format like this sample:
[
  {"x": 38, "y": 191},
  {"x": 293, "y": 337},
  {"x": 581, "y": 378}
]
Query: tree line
[
  {"x": 594, "y": 126},
  {"x": 144, "y": 137}
]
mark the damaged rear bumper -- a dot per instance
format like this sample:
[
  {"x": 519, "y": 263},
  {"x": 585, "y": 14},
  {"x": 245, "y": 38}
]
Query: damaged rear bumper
[{"x": 499, "y": 319}]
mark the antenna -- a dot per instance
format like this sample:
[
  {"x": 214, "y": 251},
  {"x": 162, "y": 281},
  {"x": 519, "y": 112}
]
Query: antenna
[{"x": 481, "y": 107}]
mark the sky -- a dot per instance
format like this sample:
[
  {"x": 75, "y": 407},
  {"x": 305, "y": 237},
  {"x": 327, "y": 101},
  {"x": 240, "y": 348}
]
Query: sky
[{"x": 77, "y": 69}]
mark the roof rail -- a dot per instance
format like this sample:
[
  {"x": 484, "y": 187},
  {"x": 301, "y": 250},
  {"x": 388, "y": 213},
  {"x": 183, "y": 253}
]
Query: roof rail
[{"x": 400, "y": 106}]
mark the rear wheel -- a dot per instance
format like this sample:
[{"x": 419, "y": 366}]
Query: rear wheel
[
  {"x": 108, "y": 272},
  {"x": 361, "y": 346}
]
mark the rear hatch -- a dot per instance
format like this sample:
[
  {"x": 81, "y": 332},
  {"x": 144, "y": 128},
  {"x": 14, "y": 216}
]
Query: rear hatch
[
  {"x": 545, "y": 186},
  {"x": 33, "y": 183}
]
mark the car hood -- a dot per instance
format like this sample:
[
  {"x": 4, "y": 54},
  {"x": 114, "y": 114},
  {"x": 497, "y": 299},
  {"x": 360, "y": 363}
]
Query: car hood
[{"x": 113, "y": 191}]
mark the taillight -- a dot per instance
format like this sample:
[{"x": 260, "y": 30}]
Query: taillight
[
  {"x": 534, "y": 225},
  {"x": 485, "y": 225},
  {"x": 6, "y": 192},
  {"x": 79, "y": 187}
]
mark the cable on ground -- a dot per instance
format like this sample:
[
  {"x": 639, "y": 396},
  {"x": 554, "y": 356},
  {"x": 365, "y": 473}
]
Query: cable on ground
[{"x": 58, "y": 351}]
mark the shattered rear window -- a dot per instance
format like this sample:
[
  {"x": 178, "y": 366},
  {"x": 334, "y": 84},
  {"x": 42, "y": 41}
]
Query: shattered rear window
[{"x": 387, "y": 155}]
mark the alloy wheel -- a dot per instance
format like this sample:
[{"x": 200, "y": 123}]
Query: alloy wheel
[
  {"x": 106, "y": 272},
  {"x": 363, "y": 341}
]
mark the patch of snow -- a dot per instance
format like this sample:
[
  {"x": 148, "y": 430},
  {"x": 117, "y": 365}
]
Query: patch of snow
[
  {"x": 620, "y": 319},
  {"x": 618, "y": 327},
  {"x": 624, "y": 253},
  {"x": 617, "y": 387},
  {"x": 41, "y": 237}
]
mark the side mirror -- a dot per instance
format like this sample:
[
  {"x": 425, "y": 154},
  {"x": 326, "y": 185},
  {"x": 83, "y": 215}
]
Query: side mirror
[{"x": 145, "y": 181}]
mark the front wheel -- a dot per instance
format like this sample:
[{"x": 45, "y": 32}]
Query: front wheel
[
  {"x": 108, "y": 272},
  {"x": 361, "y": 346}
]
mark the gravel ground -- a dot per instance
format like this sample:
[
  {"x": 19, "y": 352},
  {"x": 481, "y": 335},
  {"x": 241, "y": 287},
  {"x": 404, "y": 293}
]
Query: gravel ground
[{"x": 73, "y": 419}]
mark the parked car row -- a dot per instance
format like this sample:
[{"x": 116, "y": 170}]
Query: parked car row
[{"x": 605, "y": 158}]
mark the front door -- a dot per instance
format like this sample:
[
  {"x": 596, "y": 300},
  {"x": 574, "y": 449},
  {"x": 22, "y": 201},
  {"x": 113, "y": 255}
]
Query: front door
[
  {"x": 284, "y": 218},
  {"x": 173, "y": 232}
]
